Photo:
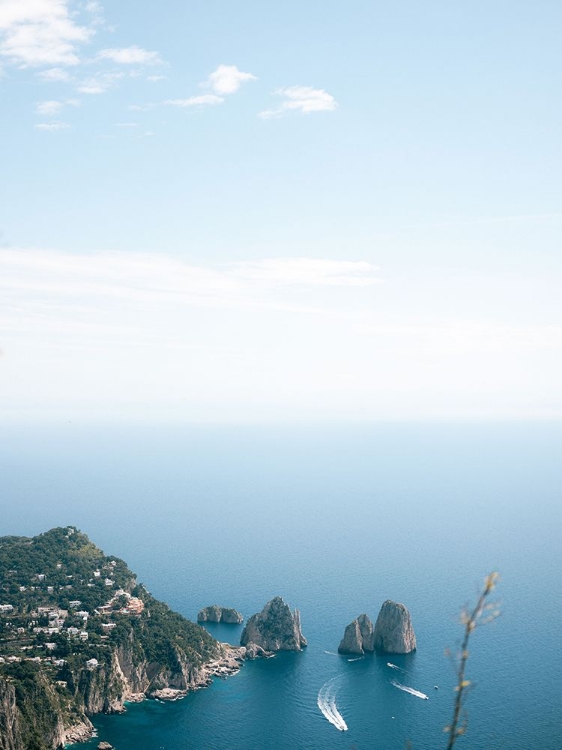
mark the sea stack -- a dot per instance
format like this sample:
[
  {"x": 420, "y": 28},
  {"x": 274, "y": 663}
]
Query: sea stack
[
  {"x": 275, "y": 628},
  {"x": 358, "y": 637},
  {"x": 394, "y": 633},
  {"x": 214, "y": 613}
]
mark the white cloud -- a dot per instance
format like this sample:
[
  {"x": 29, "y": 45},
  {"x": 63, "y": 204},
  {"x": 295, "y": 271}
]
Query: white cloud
[
  {"x": 140, "y": 107},
  {"x": 304, "y": 99},
  {"x": 307, "y": 271},
  {"x": 150, "y": 278},
  {"x": 130, "y": 56},
  {"x": 52, "y": 126},
  {"x": 52, "y": 107},
  {"x": 40, "y": 32},
  {"x": 95, "y": 9},
  {"x": 99, "y": 83},
  {"x": 54, "y": 75},
  {"x": 227, "y": 79},
  {"x": 154, "y": 79},
  {"x": 203, "y": 100},
  {"x": 49, "y": 107}
]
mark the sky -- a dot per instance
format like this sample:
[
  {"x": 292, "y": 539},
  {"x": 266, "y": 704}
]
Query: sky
[{"x": 299, "y": 211}]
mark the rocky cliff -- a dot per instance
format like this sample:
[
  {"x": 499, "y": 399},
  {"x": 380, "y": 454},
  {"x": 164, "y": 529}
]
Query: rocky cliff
[
  {"x": 275, "y": 628},
  {"x": 214, "y": 613},
  {"x": 358, "y": 637},
  {"x": 394, "y": 633},
  {"x": 35, "y": 715},
  {"x": 44, "y": 716},
  {"x": 10, "y": 731}
]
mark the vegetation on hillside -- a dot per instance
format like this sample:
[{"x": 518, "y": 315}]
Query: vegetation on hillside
[{"x": 66, "y": 610}]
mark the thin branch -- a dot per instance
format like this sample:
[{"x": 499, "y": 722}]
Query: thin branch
[{"x": 470, "y": 621}]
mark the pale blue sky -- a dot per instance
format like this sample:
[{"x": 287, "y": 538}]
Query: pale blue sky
[{"x": 242, "y": 210}]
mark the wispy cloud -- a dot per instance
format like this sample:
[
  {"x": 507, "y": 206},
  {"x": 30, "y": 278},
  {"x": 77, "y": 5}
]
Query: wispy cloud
[
  {"x": 95, "y": 10},
  {"x": 52, "y": 126},
  {"x": 149, "y": 279},
  {"x": 49, "y": 107},
  {"x": 99, "y": 83},
  {"x": 203, "y": 100},
  {"x": 307, "y": 271},
  {"x": 295, "y": 333},
  {"x": 103, "y": 302},
  {"x": 130, "y": 56},
  {"x": 54, "y": 75},
  {"x": 52, "y": 107},
  {"x": 41, "y": 32},
  {"x": 303, "y": 99}
]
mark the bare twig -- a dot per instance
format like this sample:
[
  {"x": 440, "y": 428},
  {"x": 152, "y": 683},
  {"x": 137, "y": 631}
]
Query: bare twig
[{"x": 482, "y": 613}]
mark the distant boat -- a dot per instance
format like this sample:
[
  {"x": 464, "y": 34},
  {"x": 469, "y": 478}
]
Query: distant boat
[{"x": 436, "y": 687}]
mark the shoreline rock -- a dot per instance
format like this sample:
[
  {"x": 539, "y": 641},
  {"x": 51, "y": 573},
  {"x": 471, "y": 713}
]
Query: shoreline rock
[
  {"x": 227, "y": 665},
  {"x": 393, "y": 632},
  {"x": 358, "y": 637},
  {"x": 214, "y": 613},
  {"x": 81, "y": 732},
  {"x": 273, "y": 629}
]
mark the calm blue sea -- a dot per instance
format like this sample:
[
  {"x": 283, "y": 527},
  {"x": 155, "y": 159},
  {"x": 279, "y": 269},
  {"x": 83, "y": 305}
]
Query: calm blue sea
[{"x": 335, "y": 519}]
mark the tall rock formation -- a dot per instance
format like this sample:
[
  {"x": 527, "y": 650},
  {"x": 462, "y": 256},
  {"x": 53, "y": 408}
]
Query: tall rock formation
[
  {"x": 358, "y": 637},
  {"x": 214, "y": 613},
  {"x": 394, "y": 633},
  {"x": 275, "y": 628}
]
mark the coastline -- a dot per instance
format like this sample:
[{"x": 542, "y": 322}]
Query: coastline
[{"x": 227, "y": 665}]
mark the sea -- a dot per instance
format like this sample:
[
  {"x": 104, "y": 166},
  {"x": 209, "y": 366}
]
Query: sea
[{"x": 335, "y": 518}]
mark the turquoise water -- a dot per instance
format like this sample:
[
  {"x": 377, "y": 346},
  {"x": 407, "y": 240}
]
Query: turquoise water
[{"x": 335, "y": 520}]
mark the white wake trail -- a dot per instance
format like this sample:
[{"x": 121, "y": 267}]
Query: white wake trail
[
  {"x": 410, "y": 690},
  {"x": 398, "y": 669},
  {"x": 327, "y": 704}
]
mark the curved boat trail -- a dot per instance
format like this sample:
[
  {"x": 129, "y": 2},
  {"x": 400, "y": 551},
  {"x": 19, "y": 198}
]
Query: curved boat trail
[{"x": 327, "y": 704}]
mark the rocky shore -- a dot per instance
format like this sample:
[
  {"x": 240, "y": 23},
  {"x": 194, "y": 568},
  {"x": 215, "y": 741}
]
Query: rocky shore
[
  {"x": 392, "y": 633},
  {"x": 214, "y": 613},
  {"x": 273, "y": 629},
  {"x": 78, "y": 733},
  {"x": 228, "y": 664}
]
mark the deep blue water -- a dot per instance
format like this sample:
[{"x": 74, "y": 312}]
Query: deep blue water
[{"x": 335, "y": 519}]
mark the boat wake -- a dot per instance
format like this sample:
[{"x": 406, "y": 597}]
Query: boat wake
[
  {"x": 398, "y": 669},
  {"x": 410, "y": 690},
  {"x": 357, "y": 658},
  {"x": 327, "y": 704},
  {"x": 332, "y": 653}
]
